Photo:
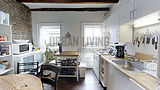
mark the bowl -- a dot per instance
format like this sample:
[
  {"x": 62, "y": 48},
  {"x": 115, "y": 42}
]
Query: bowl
[{"x": 20, "y": 41}]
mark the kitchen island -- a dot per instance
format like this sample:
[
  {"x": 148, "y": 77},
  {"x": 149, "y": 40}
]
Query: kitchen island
[{"x": 68, "y": 55}]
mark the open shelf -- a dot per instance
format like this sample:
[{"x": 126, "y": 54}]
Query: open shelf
[
  {"x": 5, "y": 25},
  {"x": 2, "y": 56},
  {"x": 67, "y": 75},
  {"x": 6, "y": 42},
  {"x": 6, "y": 30},
  {"x": 66, "y": 66},
  {"x": 5, "y": 71}
]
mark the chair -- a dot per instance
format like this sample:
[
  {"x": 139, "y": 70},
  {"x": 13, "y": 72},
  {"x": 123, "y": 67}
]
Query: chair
[
  {"x": 30, "y": 68},
  {"x": 49, "y": 80}
]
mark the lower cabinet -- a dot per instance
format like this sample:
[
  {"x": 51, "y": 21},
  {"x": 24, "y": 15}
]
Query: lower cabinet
[
  {"x": 113, "y": 79},
  {"x": 96, "y": 65},
  {"x": 116, "y": 79}
]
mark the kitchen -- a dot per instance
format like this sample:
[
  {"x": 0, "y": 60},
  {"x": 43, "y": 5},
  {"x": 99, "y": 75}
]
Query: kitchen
[{"x": 106, "y": 44}]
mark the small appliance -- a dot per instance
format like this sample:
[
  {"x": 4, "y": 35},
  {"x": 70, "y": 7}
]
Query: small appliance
[
  {"x": 20, "y": 48},
  {"x": 117, "y": 50}
]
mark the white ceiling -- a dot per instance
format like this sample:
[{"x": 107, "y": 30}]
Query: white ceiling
[{"x": 60, "y": 5}]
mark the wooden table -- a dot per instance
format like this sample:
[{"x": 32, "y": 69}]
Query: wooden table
[
  {"x": 20, "y": 82},
  {"x": 69, "y": 54}
]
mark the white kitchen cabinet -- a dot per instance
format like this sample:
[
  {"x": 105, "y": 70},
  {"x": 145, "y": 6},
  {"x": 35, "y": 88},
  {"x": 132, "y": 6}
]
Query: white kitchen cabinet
[
  {"x": 103, "y": 72},
  {"x": 145, "y": 7},
  {"x": 127, "y": 11},
  {"x": 96, "y": 65},
  {"x": 134, "y": 9},
  {"x": 134, "y": 86},
  {"x": 116, "y": 79}
]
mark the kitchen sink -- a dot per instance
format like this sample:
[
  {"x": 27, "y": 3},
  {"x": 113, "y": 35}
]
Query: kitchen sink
[{"x": 130, "y": 65}]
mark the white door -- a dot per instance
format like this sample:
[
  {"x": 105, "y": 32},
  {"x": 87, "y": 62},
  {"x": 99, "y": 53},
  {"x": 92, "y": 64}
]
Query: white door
[{"x": 89, "y": 33}]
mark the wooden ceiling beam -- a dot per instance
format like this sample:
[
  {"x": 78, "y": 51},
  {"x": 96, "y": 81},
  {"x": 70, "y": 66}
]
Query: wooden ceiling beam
[
  {"x": 71, "y": 9},
  {"x": 68, "y": 1}
]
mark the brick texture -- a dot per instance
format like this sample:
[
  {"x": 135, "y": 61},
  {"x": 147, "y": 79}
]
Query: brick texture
[{"x": 20, "y": 18}]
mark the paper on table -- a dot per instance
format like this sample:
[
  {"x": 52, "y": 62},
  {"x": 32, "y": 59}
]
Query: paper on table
[{"x": 53, "y": 61}]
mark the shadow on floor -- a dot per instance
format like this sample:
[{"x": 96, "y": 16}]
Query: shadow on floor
[{"x": 90, "y": 82}]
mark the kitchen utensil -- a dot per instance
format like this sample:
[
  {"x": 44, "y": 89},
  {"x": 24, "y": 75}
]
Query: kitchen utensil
[
  {"x": 148, "y": 36},
  {"x": 137, "y": 36},
  {"x": 139, "y": 39},
  {"x": 153, "y": 40},
  {"x": 156, "y": 41},
  {"x": 148, "y": 39},
  {"x": 144, "y": 39},
  {"x": 134, "y": 40}
]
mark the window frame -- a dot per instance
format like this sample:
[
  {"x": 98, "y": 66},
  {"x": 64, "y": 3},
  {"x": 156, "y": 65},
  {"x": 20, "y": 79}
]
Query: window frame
[
  {"x": 82, "y": 32},
  {"x": 39, "y": 25}
]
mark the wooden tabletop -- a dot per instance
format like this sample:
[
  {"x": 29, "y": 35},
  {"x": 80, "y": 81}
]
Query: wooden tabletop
[
  {"x": 68, "y": 53},
  {"x": 20, "y": 82}
]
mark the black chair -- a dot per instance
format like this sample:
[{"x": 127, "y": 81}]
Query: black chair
[
  {"x": 49, "y": 80},
  {"x": 30, "y": 68}
]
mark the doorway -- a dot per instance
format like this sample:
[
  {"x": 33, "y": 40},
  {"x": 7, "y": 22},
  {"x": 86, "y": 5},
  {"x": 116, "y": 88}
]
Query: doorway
[{"x": 89, "y": 33}]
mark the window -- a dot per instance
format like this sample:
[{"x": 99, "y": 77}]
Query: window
[
  {"x": 50, "y": 35},
  {"x": 91, "y": 34}
]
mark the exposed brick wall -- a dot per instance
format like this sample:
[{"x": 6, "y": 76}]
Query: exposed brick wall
[{"x": 20, "y": 18}]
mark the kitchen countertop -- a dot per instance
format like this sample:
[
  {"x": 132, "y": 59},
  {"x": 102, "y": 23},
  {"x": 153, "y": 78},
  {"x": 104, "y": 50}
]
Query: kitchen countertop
[
  {"x": 68, "y": 53},
  {"x": 145, "y": 80},
  {"x": 100, "y": 52}
]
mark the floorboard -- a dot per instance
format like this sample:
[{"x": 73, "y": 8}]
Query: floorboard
[{"x": 90, "y": 82}]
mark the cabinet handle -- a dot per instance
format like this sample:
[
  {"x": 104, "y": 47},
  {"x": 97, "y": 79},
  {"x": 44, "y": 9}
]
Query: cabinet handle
[
  {"x": 109, "y": 66},
  {"x": 131, "y": 15},
  {"x": 134, "y": 13}
]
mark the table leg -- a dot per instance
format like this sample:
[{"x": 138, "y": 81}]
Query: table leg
[{"x": 77, "y": 69}]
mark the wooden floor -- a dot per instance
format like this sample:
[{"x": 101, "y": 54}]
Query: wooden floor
[{"x": 90, "y": 82}]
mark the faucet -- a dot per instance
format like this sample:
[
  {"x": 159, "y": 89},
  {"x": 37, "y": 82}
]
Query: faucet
[{"x": 132, "y": 58}]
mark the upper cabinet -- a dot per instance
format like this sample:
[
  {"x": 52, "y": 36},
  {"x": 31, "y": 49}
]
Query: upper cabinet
[
  {"x": 127, "y": 11},
  {"x": 145, "y": 7},
  {"x": 134, "y": 9}
]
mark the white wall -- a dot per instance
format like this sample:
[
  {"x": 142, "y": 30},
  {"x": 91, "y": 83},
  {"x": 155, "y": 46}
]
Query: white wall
[
  {"x": 148, "y": 49},
  {"x": 71, "y": 22}
]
